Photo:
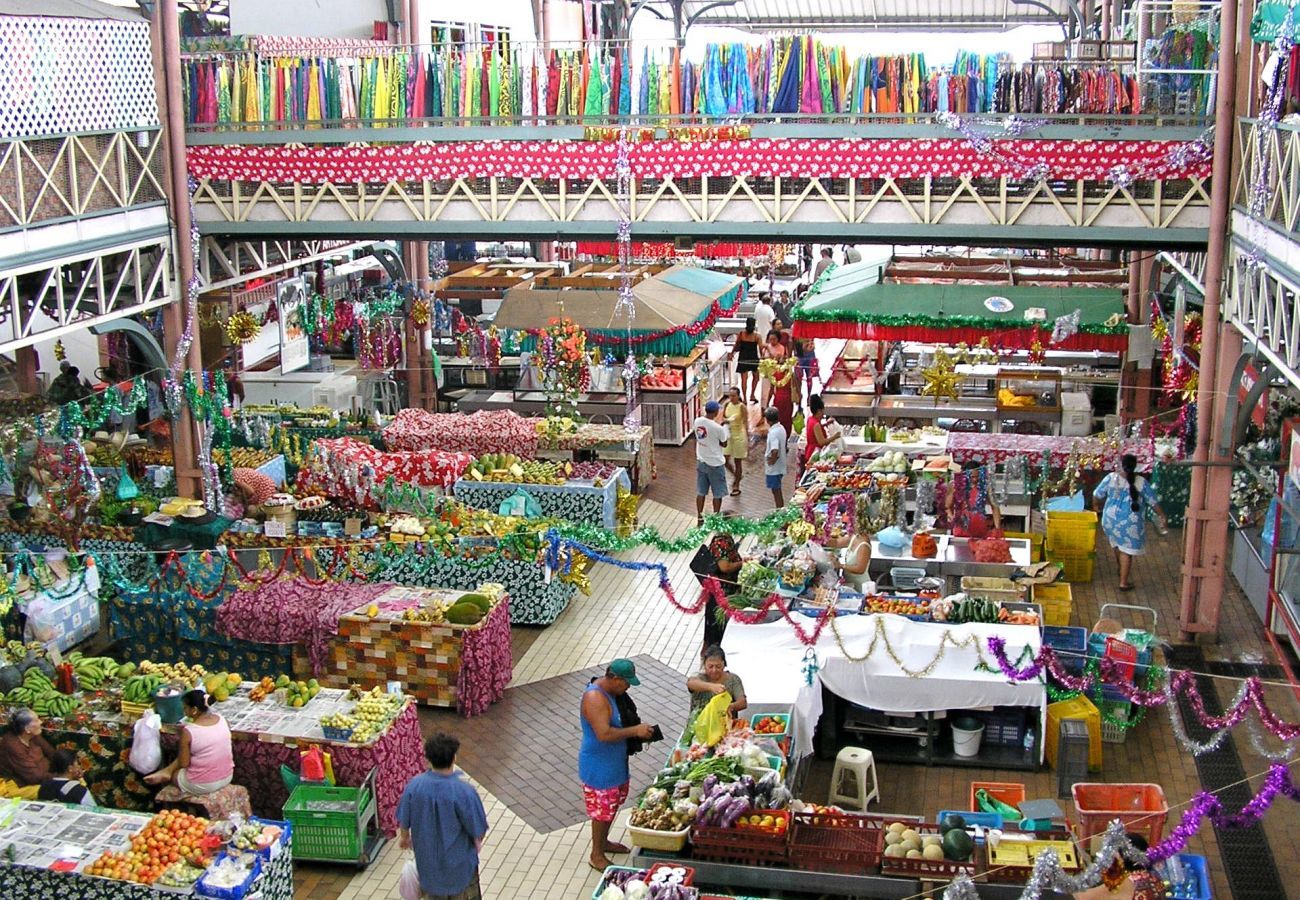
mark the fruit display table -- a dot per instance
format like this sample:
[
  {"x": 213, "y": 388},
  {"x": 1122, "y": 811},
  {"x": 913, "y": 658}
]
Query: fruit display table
[
  {"x": 52, "y": 845},
  {"x": 534, "y": 599},
  {"x": 265, "y": 736},
  {"x": 577, "y": 500},
  {"x": 437, "y": 662},
  {"x": 634, "y": 450}
]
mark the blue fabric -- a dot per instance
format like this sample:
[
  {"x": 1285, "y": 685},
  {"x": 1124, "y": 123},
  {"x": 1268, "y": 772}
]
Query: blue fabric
[
  {"x": 602, "y": 764},
  {"x": 710, "y": 478},
  {"x": 1125, "y": 529},
  {"x": 445, "y": 817},
  {"x": 773, "y": 482}
]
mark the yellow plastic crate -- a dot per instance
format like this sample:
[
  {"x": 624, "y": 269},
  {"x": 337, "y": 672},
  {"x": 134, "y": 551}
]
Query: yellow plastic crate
[
  {"x": 1035, "y": 542},
  {"x": 1072, "y": 533},
  {"x": 1075, "y": 567},
  {"x": 987, "y": 588},
  {"x": 1078, "y": 708},
  {"x": 1023, "y": 853},
  {"x": 1057, "y": 600}
]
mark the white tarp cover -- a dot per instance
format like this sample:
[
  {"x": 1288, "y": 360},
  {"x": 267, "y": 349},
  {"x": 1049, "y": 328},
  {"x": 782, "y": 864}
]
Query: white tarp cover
[{"x": 769, "y": 659}]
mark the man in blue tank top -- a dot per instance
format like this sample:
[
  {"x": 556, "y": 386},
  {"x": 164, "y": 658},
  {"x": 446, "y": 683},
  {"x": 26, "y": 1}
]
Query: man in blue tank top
[{"x": 602, "y": 759}]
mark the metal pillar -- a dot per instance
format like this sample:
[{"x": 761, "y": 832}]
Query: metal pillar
[
  {"x": 167, "y": 59},
  {"x": 1206, "y": 532},
  {"x": 29, "y": 381}
]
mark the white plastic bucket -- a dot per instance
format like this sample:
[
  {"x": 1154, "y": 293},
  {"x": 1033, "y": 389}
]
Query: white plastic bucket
[{"x": 966, "y": 741}]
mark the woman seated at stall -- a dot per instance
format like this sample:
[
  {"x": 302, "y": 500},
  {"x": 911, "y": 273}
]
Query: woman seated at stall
[
  {"x": 855, "y": 558},
  {"x": 712, "y": 680},
  {"x": 205, "y": 761},
  {"x": 24, "y": 752}
]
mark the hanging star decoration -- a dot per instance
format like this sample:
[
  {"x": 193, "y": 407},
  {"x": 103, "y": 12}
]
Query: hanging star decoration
[
  {"x": 1037, "y": 352},
  {"x": 421, "y": 313},
  {"x": 242, "y": 327},
  {"x": 941, "y": 377},
  {"x": 1066, "y": 326}
]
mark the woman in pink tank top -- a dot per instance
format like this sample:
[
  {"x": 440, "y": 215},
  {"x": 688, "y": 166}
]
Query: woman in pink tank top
[{"x": 205, "y": 762}]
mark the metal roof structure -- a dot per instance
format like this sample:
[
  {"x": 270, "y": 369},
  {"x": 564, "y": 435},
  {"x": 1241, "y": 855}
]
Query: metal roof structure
[{"x": 868, "y": 15}]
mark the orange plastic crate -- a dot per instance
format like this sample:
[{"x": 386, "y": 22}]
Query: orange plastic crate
[
  {"x": 1009, "y": 793},
  {"x": 1140, "y": 807}
]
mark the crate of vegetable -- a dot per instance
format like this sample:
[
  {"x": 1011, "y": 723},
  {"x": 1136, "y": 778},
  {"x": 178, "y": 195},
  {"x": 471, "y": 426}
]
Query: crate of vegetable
[
  {"x": 927, "y": 851},
  {"x": 835, "y": 842},
  {"x": 770, "y": 724},
  {"x": 914, "y": 608},
  {"x": 1012, "y": 861},
  {"x": 725, "y": 829}
]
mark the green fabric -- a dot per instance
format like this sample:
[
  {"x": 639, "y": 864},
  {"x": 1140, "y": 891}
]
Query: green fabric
[
  {"x": 202, "y": 537},
  {"x": 851, "y": 294},
  {"x": 1270, "y": 16}
]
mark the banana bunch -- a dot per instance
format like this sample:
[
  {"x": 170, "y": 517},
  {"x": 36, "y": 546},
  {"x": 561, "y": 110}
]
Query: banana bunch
[
  {"x": 140, "y": 688},
  {"x": 39, "y": 693},
  {"x": 178, "y": 672},
  {"x": 92, "y": 671}
]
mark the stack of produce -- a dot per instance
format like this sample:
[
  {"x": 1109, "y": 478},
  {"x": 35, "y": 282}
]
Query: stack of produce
[
  {"x": 512, "y": 469},
  {"x": 169, "y": 837}
]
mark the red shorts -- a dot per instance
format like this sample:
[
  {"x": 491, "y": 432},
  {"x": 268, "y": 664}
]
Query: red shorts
[{"x": 603, "y": 803}]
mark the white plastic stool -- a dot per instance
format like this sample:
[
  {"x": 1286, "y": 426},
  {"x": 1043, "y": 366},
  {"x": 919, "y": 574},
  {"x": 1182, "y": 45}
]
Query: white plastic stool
[{"x": 852, "y": 765}]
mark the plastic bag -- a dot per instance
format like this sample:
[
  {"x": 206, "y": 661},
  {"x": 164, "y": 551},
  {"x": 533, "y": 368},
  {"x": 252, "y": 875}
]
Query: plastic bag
[
  {"x": 42, "y": 623},
  {"x": 312, "y": 765},
  {"x": 1279, "y": 528},
  {"x": 520, "y": 503},
  {"x": 146, "y": 749},
  {"x": 711, "y": 724},
  {"x": 408, "y": 885}
]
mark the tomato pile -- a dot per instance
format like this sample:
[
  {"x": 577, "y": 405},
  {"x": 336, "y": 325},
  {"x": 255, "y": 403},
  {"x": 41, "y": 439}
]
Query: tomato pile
[
  {"x": 898, "y": 607},
  {"x": 769, "y": 725},
  {"x": 170, "y": 835}
]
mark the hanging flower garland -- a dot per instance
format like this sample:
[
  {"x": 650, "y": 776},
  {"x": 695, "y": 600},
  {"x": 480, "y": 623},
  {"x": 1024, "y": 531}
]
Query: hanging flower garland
[
  {"x": 778, "y": 372},
  {"x": 562, "y": 348}
]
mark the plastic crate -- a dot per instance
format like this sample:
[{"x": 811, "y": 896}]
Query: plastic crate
[
  {"x": 1057, "y": 600},
  {"x": 1071, "y": 532},
  {"x": 1012, "y": 862},
  {"x": 1003, "y": 727},
  {"x": 928, "y": 868},
  {"x": 1131, "y": 663},
  {"x": 1035, "y": 542},
  {"x": 283, "y": 843},
  {"x": 982, "y": 819},
  {"x": 1075, "y": 567},
  {"x": 611, "y": 870},
  {"x": 1118, "y": 710},
  {"x": 1079, "y": 707},
  {"x": 343, "y": 735},
  {"x": 744, "y": 846},
  {"x": 1071, "y": 645},
  {"x": 992, "y": 588},
  {"x": 905, "y": 578},
  {"x": 844, "y": 843},
  {"x": 775, "y": 735},
  {"x": 336, "y": 836},
  {"x": 1010, "y": 793},
  {"x": 1194, "y": 883},
  {"x": 1140, "y": 807},
  {"x": 663, "y": 841},
  {"x": 688, "y": 876},
  {"x": 204, "y": 889}
]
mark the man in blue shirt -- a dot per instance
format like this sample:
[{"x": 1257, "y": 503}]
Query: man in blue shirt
[{"x": 442, "y": 817}]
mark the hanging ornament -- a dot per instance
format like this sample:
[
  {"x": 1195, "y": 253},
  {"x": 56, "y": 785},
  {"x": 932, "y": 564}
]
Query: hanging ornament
[
  {"x": 420, "y": 313},
  {"x": 126, "y": 487},
  {"x": 1066, "y": 326},
  {"x": 810, "y": 665},
  {"x": 632, "y": 408},
  {"x": 1037, "y": 352},
  {"x": 60, "y": 354},
  {"x": 940, "y": 378},
  {"x": 241, "y": 327}
]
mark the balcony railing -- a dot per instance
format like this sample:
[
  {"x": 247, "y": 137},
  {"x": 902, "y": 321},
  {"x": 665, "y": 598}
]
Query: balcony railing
[{"x": 51, "y": 179}]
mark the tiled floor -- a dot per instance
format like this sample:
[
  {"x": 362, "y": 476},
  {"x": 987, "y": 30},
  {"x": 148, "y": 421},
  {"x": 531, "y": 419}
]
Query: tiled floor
[{"x": 626, "y": 615}]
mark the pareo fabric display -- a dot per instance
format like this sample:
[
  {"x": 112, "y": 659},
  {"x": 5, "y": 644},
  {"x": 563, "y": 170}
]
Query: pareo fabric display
[
  {"x": 354, "y": 471},
  {"x": 991, "y": 449},
  {"x": 485, "y": 431}
]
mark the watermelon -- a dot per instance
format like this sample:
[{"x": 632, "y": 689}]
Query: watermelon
[
  {"x": 957, "y": 845},
  {"x": 952, "y": 822}
]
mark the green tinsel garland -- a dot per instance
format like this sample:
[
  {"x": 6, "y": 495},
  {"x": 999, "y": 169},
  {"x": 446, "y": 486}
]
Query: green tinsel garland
[
  {"x": 608, "y": 541},
  {"x": 923, "y": 320}
]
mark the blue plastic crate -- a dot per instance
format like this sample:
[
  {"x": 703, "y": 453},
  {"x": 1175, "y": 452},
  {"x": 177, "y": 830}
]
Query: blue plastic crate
[
  {"x": 203, "y": 889},
  {"x": 1097, "y": 648},
  {"x": 1071, "y": 643},
  {"x": 1195, "y": 883},
  {"x": 285, "y": 841},
  {"x": 983, "y": 819}
]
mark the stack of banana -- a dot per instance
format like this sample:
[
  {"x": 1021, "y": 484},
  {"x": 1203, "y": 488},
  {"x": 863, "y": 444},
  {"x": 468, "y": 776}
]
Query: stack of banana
[
  {"x": 39, "y": 693},
  {"x": 93, "y": 671}
]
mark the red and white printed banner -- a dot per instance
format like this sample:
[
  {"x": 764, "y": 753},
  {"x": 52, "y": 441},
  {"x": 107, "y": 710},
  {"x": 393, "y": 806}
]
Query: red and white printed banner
[{"x": 761, "y": 158}]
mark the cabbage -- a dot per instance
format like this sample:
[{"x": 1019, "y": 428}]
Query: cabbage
[
  {"x": 637, "y": 890},
  {"x": 612, "y": 893}
]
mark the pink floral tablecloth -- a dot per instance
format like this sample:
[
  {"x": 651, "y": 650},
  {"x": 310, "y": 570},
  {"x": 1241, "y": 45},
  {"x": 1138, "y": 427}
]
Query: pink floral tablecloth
[
  {"x": 988, "y": 449},
  {"x": 353, "y": 470},
  {"x": 397, "y": 756},
  {"x": 486, "y": 662},
  {"x": 485, "y": 431},
  {"x": 291, "y": 611}
]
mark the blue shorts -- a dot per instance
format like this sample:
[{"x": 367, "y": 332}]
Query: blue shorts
[
  {"x": 774, "y": 482},
  {"x": 707, "y": 477}
]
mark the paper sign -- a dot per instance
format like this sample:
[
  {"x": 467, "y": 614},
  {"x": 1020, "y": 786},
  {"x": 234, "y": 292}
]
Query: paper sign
[
  {"x": 352, "y": 527},
  {"x": 274, "y": 529}
]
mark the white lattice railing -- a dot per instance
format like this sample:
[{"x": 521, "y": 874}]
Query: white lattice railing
[
  {"x": 1260, "y": 302},
  {"x": 66, "y": 76},
  {"x": 44, "y": 179}
]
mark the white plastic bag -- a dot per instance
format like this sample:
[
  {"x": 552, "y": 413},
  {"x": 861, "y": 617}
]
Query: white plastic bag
[
  {"x": 408, "y": 885},
  {"x": 146, "y": 748}
]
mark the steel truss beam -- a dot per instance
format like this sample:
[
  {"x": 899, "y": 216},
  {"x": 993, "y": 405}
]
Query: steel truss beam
[
  {"x": 1260, "y": 302},
  {"x": 45, "y": 300},
  {"x": 227, "y": 262},
  {"x": 972, "y": 209},
  {"x": 1190, "y": 266}
]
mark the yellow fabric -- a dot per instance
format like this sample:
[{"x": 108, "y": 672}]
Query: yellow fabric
[
  {"x": 711, "y": 724},
  {"x": 1008, "y": 398},
  {"x": 11, "y": 789}
]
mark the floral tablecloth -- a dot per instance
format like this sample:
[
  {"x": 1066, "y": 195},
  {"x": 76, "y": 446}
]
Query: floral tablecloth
[
  {"x": 485, "y": 431},
  {"x": 534, "y": 600},
  {"x": 275, "y": 883},
  {"x": 350, "y": 470},
  {"x": 576, "y": 501},
  {"x": 486, "y": 662},
  {"x": 966, "y": 447},
  {"x": 1173, "y": 487},
  {"x": 397, "y": 756}
]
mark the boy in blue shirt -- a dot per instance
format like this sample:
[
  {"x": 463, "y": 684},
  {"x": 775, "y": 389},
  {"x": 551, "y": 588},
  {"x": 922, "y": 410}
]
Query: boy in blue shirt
[{"x": 442, "y": 817}]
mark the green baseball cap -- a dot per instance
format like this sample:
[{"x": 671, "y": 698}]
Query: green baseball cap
[{"x": 625, "y": 669}]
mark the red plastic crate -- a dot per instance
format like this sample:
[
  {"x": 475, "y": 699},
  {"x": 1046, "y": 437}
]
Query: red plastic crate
[
  {"x": 943, "y": 869},
  {"x": 688, "y": 880},
  {"x": 1140, "y": 807},
  {"x": 748, "y": 845},
  {"x": 1010, "y": 793},
  {"x": 836, "y": 842}
]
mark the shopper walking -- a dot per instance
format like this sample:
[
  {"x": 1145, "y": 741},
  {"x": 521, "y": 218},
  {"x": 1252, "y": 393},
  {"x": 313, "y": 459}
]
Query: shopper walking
[
  {"x": 602, "y": 757},
  {"x": 764, "y": 316},
  {"x": 816, "y": 434},
  {"x": 745, "y": 352},
  {"x": 783, "y": 309},
  {"x": 774, "y": 456},
  {"x": 711, "y": 438},
  {"x": 1124, "y": 500},
  {"x": 442, "y": 819},
  {"x": 736, "y": 415}
]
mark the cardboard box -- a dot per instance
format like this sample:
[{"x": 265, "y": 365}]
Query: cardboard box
[
  {"x": 1087, "y": 50},
  {"x": 1049, "y": 50}
]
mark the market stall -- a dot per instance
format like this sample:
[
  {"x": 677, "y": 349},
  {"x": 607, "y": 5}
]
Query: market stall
[
  {"x": 997, "y": 449},
  {"x": 577, "y": 499},
  {"x": 52, "y": 851},
  {"x": 404, "y": 635}
]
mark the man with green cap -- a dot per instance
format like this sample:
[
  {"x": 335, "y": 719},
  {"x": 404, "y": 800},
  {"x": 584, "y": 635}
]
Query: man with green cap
[{"x": 602, "y": 758}]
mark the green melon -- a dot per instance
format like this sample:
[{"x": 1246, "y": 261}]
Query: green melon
[
  {"x": 464, "y": 614},
  {"x": 483, "y": 603},
  {"x": 957, "y": 845}
]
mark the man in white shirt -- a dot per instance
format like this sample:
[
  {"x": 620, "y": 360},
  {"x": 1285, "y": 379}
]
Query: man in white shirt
[
  {"x": 763, "y": 316},
  {"x": 774, "y": 461},
  {"x": 711, "y": 437},
  {"x": 822, "y": 264},
  {"x": 852, "y": 254}
]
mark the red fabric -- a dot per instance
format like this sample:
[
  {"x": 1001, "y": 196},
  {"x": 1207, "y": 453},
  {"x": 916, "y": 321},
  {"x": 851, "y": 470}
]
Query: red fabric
[
  {"x": 654, "y": 249},
  {"x": 486, "y": 663},
  {"x": 991, "y": 449},
  {"x": 1004, "y": 339},
  {"x": 762, "y": 157}
]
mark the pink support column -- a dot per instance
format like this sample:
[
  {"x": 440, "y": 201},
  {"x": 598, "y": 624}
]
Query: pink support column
[{"x": 1206, "y": 532}]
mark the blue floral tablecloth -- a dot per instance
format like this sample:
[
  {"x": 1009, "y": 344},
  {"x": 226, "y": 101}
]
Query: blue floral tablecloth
[
  {"x": 533, "y": 599},
  {"x": 576, "y": 501}
]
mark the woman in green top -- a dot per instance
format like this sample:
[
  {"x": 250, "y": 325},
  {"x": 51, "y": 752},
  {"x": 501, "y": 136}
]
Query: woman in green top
[{"x": 713, "y": 679}]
